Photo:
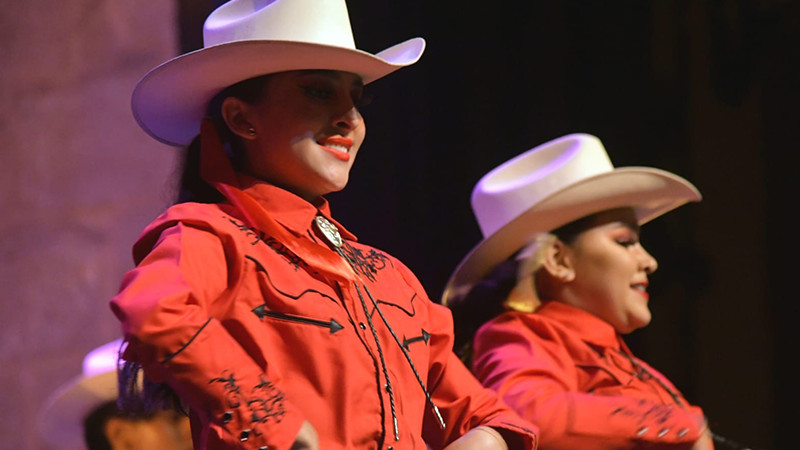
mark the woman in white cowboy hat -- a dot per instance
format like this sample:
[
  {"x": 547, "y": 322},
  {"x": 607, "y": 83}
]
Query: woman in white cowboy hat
[
  {"x": 266, "y": 317},
  {"x": 560, "y": 275}
]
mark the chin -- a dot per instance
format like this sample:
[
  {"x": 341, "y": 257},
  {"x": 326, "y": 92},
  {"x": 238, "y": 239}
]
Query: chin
[{"x": 638, "y": 322}]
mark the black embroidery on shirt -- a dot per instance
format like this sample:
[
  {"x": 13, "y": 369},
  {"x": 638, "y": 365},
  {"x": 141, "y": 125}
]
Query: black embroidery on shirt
[
  {"x": 332, "y": 324},
  {"x": 267, "y": 404},
  {"x": 411, "y": 313},
  {"x": 646, "y": 411},
  {"x": 274, "y": 244},
  {"x": 367, "y": 265},
  {"x": 424, "y": 337},
  {"x": 264, "y": 403},
  {"x": 233, "y": 392},
  {"x": 257, "y": 235},
  {"x": 260, "y": 267}
]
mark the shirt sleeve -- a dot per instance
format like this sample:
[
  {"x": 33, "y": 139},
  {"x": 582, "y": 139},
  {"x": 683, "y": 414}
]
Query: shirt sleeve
[
  {"x": 536, "y": 376},
  {"x": 165, "y": 306}
]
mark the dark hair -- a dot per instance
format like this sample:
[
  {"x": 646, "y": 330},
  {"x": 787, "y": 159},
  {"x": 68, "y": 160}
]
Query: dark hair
[
  {"x": 192, "y": 188},
  {"x": 94, "y": 424},
  {"x": 483, "y": 302}
]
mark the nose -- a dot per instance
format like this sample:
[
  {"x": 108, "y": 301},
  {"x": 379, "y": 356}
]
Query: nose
[
  {"x": 647, "y": 262},
  {"x": 349, "y": 120}
]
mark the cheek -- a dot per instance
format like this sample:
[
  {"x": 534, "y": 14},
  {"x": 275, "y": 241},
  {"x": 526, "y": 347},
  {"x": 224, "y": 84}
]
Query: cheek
[{"x": 359, "y": 134}]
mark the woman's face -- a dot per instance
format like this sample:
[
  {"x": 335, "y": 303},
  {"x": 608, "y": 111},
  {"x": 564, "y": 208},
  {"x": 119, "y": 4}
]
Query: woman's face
[
  {"x": 610, "y": 271},
  {"x": 307, "y": 131}
]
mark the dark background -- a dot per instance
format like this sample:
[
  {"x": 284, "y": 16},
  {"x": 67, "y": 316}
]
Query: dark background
[{"x": 704, "y": 89}]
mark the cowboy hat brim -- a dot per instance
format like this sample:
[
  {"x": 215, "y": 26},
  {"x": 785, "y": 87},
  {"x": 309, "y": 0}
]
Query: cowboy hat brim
[
  {"x": 650, "y": 192},
  {"x": 170, "y": 101},
  {"x": 61, "y": 421}
]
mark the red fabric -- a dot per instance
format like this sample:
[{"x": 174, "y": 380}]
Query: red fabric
[
  {"x": 567, "y": 371},
  {"x": 234, "y": 322}
]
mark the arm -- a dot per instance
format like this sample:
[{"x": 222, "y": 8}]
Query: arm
[
  {"x": 165, "y": 306},
  {"x": 475, "y": 416},
  {"x": 530, "y": 366}
]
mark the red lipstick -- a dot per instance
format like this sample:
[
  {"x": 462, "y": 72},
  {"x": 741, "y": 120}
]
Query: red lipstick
[{"x": 337, "y": 146}]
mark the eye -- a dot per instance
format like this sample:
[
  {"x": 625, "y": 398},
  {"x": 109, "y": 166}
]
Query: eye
[
  {"x": 627, "y": 239},
  {"x": 318, "y": 92}
]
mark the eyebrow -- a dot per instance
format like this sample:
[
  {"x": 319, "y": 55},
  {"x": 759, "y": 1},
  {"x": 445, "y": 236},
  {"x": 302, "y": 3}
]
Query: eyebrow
[{"x": 631, "y": 226}]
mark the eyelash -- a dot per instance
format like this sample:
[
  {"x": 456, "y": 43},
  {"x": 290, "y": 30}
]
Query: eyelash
[
  {"x": 323, "y": 93},
  {"x": 628, "y": 242},
  {"x": 318, "y": 92},
  {"x": 364, "y": 100}
]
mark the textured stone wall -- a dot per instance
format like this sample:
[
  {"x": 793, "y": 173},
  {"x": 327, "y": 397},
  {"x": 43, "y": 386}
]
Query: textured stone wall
[{"x": 78, "y": 181}]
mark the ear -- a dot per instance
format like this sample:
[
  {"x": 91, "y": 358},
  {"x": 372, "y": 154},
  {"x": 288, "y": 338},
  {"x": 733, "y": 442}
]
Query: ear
[
  {"x": 236, "y": 113},
  {"x": 558, "y": 262}
]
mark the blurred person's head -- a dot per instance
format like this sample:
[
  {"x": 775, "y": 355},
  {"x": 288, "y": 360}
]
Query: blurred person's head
[{"x": 83, "y": 413}]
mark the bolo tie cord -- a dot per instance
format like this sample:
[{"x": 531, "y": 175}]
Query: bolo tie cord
[
  {"x": 396, "y": 339},
  {"x": 383, "y": 361},
  {"x": 331, "y": 233}
]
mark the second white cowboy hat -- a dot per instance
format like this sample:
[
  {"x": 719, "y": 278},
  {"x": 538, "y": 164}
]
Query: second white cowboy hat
[
  {"x": 247, "y": 38},
  {"x": 551, "y": 185}
]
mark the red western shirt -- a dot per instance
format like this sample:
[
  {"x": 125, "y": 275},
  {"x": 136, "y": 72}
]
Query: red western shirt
[
  {"x": 255, "y": 340},
  {"x": 570, "y": 373}
]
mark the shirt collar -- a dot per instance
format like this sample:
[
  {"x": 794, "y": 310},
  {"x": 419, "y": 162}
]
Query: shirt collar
[
  {"x": 588, "y": 327},
  {"x": 288, "y": 209}
]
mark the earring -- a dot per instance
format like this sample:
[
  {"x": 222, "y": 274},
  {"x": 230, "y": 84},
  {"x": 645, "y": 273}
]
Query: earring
[{"x": 251, "y": 131}]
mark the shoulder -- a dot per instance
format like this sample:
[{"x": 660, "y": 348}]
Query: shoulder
[
  {"x": 529, "y": 329},
  {"x": 212, "y": 219}
]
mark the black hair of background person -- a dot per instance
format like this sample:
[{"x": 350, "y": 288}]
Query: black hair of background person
[{"x": 495, "y": 80}]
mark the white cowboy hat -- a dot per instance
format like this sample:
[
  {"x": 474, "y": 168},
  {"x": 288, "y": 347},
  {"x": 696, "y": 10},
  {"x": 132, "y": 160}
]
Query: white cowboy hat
[
  {"x": 61, "y": 419},
  {"x": 247, "y": 38},
  {"x": 554, "y": 184}
]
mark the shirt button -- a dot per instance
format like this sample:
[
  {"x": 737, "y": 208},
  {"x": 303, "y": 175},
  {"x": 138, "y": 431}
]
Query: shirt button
[{"x": 362, "y": 326}]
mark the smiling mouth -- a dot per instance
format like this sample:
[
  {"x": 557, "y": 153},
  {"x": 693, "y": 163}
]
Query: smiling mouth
[
  {"x": 337, "y": 146},
  {"x": 641, "y": 289}
]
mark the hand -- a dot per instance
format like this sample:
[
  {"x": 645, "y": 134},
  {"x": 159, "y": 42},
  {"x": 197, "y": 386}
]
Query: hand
[
  {"x": 705, "y": 442},
  {"x": 479, "y": 438},
  {"x": 306, "y": 438}
]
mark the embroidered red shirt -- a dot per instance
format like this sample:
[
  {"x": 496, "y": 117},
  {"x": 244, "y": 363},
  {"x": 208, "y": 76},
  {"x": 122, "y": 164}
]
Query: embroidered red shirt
[
  {"x": 570, "y": 373},
  {"x": 255, "y": 340}
]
